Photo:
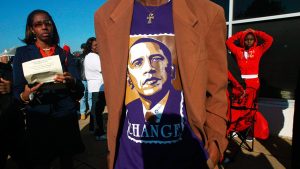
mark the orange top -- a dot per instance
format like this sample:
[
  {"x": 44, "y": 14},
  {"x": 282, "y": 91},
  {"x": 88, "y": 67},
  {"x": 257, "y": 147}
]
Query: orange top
[{"x": 46, "y": 52}]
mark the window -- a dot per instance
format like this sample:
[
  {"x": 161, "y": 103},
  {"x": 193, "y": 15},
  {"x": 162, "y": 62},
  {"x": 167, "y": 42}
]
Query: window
[
  {"x": 225, "y": 5},
  {"x": 244, "y": 9}
]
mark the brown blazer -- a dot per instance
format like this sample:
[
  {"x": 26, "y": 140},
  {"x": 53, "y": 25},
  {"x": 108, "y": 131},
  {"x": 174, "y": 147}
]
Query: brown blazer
[{"x": 200, "y": 34}]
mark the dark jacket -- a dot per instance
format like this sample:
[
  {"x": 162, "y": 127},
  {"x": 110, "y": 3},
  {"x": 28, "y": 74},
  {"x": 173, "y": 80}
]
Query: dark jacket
[
  {"x": 81, "y": 66},
  {"x": 11, "y": 120},
  {"x": 57, "y": 102},
  {"x": 5, "y": 99}
]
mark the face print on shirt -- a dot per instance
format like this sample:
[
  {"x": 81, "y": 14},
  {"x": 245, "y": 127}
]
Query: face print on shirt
[{"x": 147, "y": 66}]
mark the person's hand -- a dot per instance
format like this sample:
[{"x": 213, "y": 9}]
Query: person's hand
[
  {"x": 66, "y": 78},
  {"x": 4, "y": 59},
  {"x": 27, "y": 91},
  {"x": 5, "y": 86},
  {"x": 213, "y": 151},
  {"x": 250, "y": 29},
  {"x": 242, "y": 94}
]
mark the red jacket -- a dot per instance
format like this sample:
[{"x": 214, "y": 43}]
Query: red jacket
[{"x": 249, "y": 66}]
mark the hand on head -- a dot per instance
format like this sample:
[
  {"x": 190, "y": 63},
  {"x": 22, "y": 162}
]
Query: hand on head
[{"x": 250, "y": 29}]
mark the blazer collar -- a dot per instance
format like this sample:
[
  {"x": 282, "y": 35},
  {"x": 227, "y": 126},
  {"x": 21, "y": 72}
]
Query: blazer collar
[
  {"x": 182, "y": 10},
  {"x": 184, "y": 13},
  {"x": 187, "y": 36},
  {"x": 34, "y": 52},
  {"x": 121, "y": 9}
]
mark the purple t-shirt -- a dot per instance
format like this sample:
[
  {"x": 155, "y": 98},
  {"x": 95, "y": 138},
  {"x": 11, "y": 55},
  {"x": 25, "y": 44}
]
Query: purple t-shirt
[{"x": 155, "y": 133}]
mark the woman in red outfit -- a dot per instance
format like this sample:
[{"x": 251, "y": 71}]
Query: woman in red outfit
[{"x": 248, "y": 55}]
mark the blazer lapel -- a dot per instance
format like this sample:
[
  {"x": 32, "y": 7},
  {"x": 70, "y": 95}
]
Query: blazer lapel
[
  {"x": 118, "y": 34},
  {"x": 34, "y": 52},
  {"x": 186, "y": 39}
]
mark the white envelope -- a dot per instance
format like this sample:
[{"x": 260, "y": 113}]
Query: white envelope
[{"x": 42, "y": 70}]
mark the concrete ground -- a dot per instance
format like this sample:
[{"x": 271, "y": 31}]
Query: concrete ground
[{"x": 274, "y": 153}]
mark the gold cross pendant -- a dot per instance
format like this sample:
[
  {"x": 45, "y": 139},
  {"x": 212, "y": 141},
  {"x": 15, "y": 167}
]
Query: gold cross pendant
[{"x": 150, "y": 17}]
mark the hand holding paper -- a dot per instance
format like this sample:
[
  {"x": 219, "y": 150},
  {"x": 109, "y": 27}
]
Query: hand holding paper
[
  {"x": 66, "y": 77},
  {"x": 42, "y": 70}
]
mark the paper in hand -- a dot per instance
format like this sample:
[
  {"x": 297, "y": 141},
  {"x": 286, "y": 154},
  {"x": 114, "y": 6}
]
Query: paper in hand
[{"x": 42, "y": 70}]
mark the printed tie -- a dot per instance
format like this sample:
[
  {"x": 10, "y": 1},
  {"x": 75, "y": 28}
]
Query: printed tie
[{"x": 150, "y": 117}]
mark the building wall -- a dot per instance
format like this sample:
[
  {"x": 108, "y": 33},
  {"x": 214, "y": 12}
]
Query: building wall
[{"x": 279, "y": 113}]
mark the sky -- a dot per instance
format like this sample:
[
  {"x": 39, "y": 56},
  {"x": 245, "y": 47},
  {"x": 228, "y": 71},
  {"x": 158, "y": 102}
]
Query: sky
[{"x": 74, "y": 20}]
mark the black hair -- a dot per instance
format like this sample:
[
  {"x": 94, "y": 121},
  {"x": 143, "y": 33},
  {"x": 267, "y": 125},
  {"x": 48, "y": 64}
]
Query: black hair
[
  {"x": 83, "y": 46},
  {"x": 88, "y": 45}
]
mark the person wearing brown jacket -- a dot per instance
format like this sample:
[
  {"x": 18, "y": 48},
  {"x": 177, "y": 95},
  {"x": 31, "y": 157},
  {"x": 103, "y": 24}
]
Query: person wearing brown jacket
[{"x": 195, "y": 34}]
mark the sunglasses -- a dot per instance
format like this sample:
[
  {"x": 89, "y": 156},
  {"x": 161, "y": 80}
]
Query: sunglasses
[{"x": 39, "y": 24}]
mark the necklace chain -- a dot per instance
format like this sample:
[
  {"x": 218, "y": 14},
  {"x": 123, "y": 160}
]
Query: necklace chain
[
  {"x": 150, "y": 17},
  {"x": 46, "y": 49}
]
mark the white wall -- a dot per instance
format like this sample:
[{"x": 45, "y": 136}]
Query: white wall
[{"x": 280, "y": 114}]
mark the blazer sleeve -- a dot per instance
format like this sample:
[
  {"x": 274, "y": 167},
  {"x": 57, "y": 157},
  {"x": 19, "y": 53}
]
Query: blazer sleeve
[
  {"x": 19, "y": 80},
  {"x": 216, "y": 102}
]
